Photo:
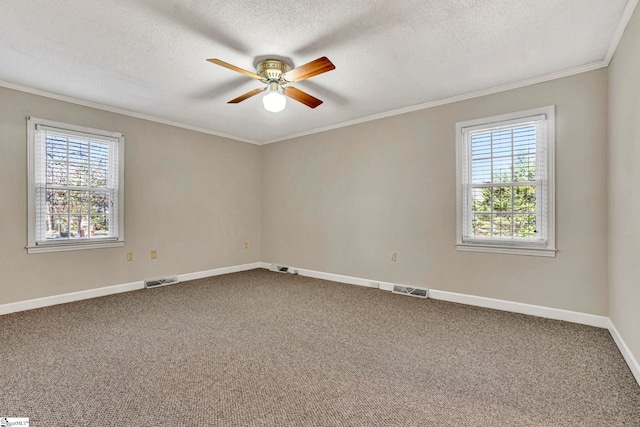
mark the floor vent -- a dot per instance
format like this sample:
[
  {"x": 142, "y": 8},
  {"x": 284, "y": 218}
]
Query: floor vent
[
  {"x": 407, "y": 290},
  {"x": 160, "y": 281},
  {"x": 283, "y": 269}
]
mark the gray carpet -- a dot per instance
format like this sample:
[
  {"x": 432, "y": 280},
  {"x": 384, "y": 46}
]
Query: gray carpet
[{"x": 267, "y": 349}]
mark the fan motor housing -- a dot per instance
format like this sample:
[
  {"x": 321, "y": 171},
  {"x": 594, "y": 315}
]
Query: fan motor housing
[{"x": 272, "y": 69}]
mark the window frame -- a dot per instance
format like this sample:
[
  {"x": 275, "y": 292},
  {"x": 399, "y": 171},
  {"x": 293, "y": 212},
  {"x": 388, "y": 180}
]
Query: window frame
[
  {"x": 33, "y": 246},
  {"x": 509, "y": 245}
]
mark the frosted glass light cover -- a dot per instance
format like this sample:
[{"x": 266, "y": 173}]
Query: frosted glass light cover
[{"x": 274, "y": 101}]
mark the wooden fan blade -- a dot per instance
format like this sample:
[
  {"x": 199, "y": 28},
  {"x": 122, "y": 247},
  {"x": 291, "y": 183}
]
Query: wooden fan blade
[
  {"x": 301, "y": 96},
  {"x": 234, "y": 68},
  {"x": 246, "y": 95},
  {"x": 310, "y": 69}
]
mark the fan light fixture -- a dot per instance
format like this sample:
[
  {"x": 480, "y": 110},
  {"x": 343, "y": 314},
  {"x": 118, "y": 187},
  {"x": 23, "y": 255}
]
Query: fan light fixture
[
  {"x": 274, "y": 100},
  {"x": 278, "y": 76}
]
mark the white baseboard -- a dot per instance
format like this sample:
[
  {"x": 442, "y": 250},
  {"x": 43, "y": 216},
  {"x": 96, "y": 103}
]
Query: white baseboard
[
  {"x": 349, "y": 280},
  {"x": 345, "y": 279},
  {"x": 496, "y": 304},
  {"x": 517, "y": 307},
  {"x": 70, "y": 297},
  {"x": 116, "y": 289},
  {"x": 218, "y": 271},
  {"x": 626, "y": 353}
]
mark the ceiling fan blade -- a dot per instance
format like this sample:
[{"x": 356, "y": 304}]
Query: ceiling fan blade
[
  {"x": 246, "y": 95},
  {"x": 234, "y": 68},
  {"x": 310, "y": 69},
  {"x": 301, "y": 96}
]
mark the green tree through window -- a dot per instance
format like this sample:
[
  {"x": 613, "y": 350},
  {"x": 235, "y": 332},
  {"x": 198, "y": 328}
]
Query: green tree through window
[{"x": 507, "y": 211}]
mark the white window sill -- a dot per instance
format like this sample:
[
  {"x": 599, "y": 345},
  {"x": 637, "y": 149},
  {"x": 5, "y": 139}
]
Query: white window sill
[
  {"x": 73, "y": 246},
  {"x": 510, "y": 250}
]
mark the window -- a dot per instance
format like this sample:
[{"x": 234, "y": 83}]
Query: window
[
  {"x": 505, "y": 169},
  {"x": 75, "y": 187}
]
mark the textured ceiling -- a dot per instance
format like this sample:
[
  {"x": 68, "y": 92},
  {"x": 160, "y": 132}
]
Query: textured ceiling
[{"x": 148, "y": 57}]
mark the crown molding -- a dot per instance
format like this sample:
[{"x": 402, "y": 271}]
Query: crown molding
[
  {"x": 103, "y": 107},
  {"x": 622, "y": 25},
  {"x": 462, "y": 97}
]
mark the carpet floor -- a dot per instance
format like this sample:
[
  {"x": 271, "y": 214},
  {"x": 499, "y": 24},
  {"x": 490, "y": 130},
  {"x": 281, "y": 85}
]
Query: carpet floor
[{"x": 260, "y": 348}]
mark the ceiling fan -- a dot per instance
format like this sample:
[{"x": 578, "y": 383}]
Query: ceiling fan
[{"x": 277, "y": 75}]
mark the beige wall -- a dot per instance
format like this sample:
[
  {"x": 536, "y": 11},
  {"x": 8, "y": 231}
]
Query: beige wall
[
  {"x": 194, "y": 198},
  {"x": 342, "y": 201},
  {"x": 624, "y": 181},
  {"x": 337, "y": 202}
]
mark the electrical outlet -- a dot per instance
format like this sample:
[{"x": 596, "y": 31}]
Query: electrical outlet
[
  {"x": 246, "y": 245},
  {"x": 154, "y": 254},
  {"x": 393, "y": 256},
  {"x": 129, "y": 256}
]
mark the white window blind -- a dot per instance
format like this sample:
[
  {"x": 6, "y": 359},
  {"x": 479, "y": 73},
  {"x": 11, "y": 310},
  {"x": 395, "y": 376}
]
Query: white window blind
[
  {"x": 76, "y": 188},
  {"x": 504, "y": 189}
]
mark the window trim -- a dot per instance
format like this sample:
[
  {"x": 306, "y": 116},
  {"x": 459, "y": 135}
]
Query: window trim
[
  {"x": 511, "y": 246},
  {"x": 57, "y": 246}
]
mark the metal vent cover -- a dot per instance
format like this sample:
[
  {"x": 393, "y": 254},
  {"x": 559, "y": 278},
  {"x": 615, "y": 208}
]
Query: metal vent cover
[
  {"x": 411, "y": 291},
  {"x": 283, "y": 269},
  {"x": 160, "y": 281}
]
